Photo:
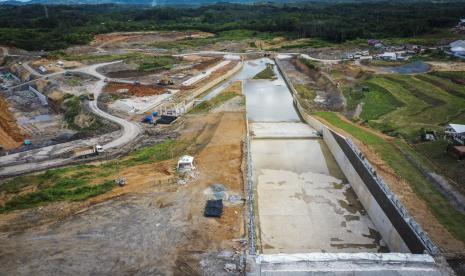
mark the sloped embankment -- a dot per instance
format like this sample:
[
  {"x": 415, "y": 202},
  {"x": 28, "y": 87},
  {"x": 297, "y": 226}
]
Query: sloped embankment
[{"x": 11, "y": 135}]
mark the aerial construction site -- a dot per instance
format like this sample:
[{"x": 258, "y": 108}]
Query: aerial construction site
[{"x": 130, "y": 156}]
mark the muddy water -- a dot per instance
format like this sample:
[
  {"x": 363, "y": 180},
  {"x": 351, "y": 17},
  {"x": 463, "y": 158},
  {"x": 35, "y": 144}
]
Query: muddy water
[{"x": 304, "y": 201}]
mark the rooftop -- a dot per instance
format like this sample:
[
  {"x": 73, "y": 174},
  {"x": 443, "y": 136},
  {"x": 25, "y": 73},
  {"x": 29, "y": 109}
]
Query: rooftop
[{"x": 458, "y": 128}]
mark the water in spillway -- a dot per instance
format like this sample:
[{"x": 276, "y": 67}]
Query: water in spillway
[{"x": 304, "y": 201}]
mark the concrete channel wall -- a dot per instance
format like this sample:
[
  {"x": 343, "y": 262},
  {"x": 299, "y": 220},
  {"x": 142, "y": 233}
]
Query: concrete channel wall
[{"x": 398, "y": 229}]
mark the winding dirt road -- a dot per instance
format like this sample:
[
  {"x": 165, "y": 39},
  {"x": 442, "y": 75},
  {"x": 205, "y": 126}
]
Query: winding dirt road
[{"x": 23, "y": 162}]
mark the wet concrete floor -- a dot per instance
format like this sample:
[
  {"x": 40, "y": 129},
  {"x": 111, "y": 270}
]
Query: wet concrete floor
[{"x": 304, "y": 201}]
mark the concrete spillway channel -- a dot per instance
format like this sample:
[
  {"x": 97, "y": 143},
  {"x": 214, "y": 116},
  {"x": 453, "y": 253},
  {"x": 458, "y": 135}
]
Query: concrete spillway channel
[{"x": 305, "y": 216}]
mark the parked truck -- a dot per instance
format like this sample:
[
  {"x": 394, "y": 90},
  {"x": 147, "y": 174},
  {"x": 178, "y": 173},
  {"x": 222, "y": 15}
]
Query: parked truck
[{"x": 84, "y": 152}]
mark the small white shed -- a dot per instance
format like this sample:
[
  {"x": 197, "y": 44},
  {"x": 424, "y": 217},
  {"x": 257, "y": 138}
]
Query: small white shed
[{"x": 186, "y": 163}]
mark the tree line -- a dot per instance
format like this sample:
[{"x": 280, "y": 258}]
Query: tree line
[{"x": 31, "y": 27}]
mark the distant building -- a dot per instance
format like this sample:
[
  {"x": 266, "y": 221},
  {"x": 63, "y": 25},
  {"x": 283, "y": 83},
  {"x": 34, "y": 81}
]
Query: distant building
[
  {"x": 388, "y": 56},
  {"x": 457, "y": 48},
  {"x": 456, "y": 132},
  {"x": 456, "y": 151},
  {"x": 379, "y": 46},
  {"x": 42, "y": 69},
  {"x": 373, "y": 42}
]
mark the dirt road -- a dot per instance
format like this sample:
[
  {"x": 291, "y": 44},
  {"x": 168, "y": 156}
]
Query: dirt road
[
  {"x": 130, "y": 130},
  {"x": 16, "y": 163}
]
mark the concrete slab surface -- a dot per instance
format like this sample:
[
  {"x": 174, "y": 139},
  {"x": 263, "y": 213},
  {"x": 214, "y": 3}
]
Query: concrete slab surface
[
  {"x": 304, "y": 202},
  {"x": 404, "y": 264},
  {"x": 282, "y": 130}
]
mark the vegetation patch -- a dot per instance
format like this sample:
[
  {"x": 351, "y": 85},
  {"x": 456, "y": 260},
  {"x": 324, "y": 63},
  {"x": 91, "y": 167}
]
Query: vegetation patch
[
  {"x": 376, "y": 100},
  {"x": 144, "y": 62},
  {"x": 404, "y": 104},
  {"x": 52, "y": 186},
  {"x": 231, "y": 35},
  {"x": 439, "y": 205},
  {"x": 151, "y": 63},
  {"x": 73, "y": 109},
  {"x": 312, "y": 64},
  {"x": 266, "y": 74},
  {"x": 76, "y": 183},
  {"x": 216, "y": 101},
  {"x": 445, "y": 164},
  {"x": 306, "y": 96}
]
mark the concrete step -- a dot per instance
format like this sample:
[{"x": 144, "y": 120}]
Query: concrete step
[{"x": 282, "y": 130}]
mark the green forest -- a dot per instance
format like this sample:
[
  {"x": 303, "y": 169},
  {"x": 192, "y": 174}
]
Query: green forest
[{"x": 31, "y": 28}]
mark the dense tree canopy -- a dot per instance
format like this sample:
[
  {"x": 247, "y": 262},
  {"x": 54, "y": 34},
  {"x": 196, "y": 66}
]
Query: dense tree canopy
[{"x": 28, "y": 27}]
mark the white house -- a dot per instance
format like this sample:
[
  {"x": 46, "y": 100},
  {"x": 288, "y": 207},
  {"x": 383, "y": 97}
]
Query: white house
[
  {"x": 456, "y": 132},
  {"x": 185, "y": 163},
  {"x": 458, "y": 47},
  {"x": 42, "y": 69},
  {"x": 388, "y": 56}
]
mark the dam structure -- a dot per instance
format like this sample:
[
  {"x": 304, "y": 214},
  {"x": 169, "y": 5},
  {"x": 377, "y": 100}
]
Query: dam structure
[{"x": 315, "y": 205}]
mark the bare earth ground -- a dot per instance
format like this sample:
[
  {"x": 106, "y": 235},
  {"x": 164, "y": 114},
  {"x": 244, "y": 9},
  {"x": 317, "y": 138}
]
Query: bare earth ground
[
  {"x": 151, "y": 226},
  {"x": 11, "y": 135},
  {"x": 415, "y": 205}
]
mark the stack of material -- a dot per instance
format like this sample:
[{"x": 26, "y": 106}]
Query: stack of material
[
  {"x": 166, "y": 120},
  {"x": 214, "y": 208}
]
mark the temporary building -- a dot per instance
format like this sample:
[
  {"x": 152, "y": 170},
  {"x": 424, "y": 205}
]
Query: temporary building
[{"x": 185, "y": 163}]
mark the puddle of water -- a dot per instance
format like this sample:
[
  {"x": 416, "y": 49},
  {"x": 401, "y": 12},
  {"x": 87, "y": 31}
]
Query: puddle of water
[
  {"x": 410, "y": 68},
  {"x": 267, "y": 102}
]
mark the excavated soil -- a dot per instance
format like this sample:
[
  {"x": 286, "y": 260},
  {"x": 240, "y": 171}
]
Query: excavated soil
[
  {"x": 104, "y": 40},
  {"x": 11, "y": 135},
  {"x": 136, "y": 90},
  {"x": 151, "y": 226}
]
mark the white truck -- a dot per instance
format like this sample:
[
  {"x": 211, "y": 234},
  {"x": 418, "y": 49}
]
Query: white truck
[{"x": 84, "y": 152}]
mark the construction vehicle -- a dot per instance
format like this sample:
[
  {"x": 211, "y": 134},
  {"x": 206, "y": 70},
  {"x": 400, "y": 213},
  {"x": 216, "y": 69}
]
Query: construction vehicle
[
  {"x": 165, "y": 81},
  {"x": 88, "y": 151}
]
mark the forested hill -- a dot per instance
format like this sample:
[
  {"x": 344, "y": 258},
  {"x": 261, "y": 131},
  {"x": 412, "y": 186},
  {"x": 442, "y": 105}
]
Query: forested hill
[
  {"x": 28, "y": 26},
  {"x": 190, "y": 2}
]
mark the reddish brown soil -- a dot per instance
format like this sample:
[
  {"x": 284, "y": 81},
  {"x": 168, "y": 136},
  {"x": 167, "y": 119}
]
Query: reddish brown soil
[
  {"x": 136, "y": 90},
  {"x": 11, "y": 135},
  {"x": 207, "y": 63}
]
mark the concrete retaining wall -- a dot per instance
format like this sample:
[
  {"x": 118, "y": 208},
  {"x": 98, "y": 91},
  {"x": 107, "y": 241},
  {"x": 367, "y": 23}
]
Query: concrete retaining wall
[
  {"x": 382, "y": 222},
  {"x": 397, "y": 228}
]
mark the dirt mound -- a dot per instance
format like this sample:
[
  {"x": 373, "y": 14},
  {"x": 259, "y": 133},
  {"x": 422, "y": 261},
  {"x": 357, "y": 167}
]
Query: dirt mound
[
  {"x": 207, "y": 63},
  {"x": 136, "y": 90},
  {"x": 104, "y": 39},
  {"x": 11, "y": 135}
]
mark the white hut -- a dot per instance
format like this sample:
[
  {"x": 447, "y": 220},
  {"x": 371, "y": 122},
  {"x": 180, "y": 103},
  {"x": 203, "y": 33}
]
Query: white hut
[{"x": 186, "y": 163}]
